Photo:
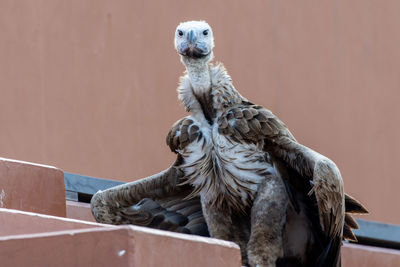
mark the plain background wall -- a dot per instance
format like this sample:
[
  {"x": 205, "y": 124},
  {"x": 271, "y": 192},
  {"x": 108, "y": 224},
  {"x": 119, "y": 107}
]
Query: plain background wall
[{"x": 89, "y": 86}]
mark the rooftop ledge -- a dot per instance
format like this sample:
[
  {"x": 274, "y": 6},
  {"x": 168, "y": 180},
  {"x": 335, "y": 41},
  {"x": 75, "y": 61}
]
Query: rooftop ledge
[
  {"x": 35, "y": 199},
  {"x": 28, "y": 238}
]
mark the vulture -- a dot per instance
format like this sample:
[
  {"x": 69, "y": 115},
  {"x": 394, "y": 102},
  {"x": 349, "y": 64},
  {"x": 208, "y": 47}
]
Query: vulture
[{"x": 239, "y": 175}]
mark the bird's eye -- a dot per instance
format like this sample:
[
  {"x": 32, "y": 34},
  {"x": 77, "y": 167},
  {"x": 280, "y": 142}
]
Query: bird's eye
[
  {"x": 205, "y": 32},
  {"x": 180, "y": 32}
]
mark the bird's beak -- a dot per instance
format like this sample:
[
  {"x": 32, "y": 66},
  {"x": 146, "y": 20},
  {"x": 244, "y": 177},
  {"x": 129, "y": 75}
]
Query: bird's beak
[{"x": 191, "y": 38}]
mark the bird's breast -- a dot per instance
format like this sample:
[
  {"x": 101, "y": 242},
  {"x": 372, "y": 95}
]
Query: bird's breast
[{"x": 222, "y": 170}]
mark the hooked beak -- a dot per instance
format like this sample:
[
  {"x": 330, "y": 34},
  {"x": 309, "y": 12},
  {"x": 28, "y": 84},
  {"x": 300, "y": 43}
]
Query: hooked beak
[{"x": 191, "y": 38}]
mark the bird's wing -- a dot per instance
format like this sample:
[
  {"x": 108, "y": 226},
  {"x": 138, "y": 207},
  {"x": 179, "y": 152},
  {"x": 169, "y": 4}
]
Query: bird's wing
[
  {"x": 251, "y": 123},
  {"x": 158, "y": 201}
]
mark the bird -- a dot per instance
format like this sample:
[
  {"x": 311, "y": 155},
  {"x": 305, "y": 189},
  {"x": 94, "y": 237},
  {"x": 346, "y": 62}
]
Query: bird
[{"x": 239, "y": 175}]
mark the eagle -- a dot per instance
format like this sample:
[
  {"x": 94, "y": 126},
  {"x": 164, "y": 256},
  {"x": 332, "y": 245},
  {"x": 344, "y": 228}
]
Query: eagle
[{"x": 239, "y": 175}]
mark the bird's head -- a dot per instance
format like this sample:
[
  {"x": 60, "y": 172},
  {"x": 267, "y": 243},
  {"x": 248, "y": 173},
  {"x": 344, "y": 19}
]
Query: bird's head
[{"x": 194, "y": 40}]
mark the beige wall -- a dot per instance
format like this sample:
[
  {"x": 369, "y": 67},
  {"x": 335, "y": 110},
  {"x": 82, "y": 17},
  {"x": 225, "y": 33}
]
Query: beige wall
[{"x": 89, "y": 86}]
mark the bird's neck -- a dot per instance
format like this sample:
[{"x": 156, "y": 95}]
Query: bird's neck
[
  {"x": 207, "y": 90},
  {"x": 199, "y": 74},
  {"x": 198, "y": 71}
]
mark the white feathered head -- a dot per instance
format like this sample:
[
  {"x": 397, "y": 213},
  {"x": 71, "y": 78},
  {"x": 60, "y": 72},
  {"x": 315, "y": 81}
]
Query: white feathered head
[{"x": 194, "y": 39}]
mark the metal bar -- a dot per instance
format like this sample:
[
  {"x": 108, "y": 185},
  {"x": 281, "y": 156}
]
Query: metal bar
[
  {"x": 87, "y": 185},
  {"x": 71, "y": 195},
  {"x": 378, "y": 234}
]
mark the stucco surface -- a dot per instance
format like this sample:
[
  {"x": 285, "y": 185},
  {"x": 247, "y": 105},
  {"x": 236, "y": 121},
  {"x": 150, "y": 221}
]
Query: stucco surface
[
  {"x": 15, "y": 222},
  {"x": 79, "y": 211},
  {"x": 117, "y": 246},
  {"x": 32, "y": 187},
  {"x": 366, "y": 256}
]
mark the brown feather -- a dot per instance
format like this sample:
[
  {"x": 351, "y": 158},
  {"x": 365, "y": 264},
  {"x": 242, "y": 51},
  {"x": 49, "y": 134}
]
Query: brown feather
[
  {"x": 261, "y": 117},
  {"x": 237, "y": 113},
  {"x": 247, "y": 114},
  {"x": 253, "y": 111},
  {"x": 187, "y": 122},
  {"x": 349, "y": 220},
  {"x": 255, "y": 125},
  {"x": 265, "y": 128},
  {"x": 241, "y": 126},
  {"x": 223, "y": 122},
  {"x": 348, "y": 234},
  {"x": 353, "y": 206},
  {"x": 175, "y": 142},
  {"x": 193, "y": 129},
  {"x": 230, "y": 115},
  {"x": 183, "y": 137}
]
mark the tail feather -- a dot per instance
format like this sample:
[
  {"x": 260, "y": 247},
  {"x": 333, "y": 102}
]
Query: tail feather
[
  {"x": 353, "y": 206},
  {"x": 349, "y": 220},
  {"x": 348, "y": 234}
]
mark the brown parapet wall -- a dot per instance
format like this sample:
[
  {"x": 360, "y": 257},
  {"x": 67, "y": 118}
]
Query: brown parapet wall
[
  {"x": 367, "y": 256},
  {"x": 15, "y": 222},
  {"x": 26, "y": 239},
  {"x": 79, "y": 211},
  {"x": 85, "y": 247},
  {"x": 116, "y": 246},
  {"x": 32, "y": 187}
]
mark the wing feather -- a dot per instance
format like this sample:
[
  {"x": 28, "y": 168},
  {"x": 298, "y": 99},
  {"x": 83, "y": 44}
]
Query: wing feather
[
  {"x": 353, "y": 206},
  {"x": 158, "y": 201}
]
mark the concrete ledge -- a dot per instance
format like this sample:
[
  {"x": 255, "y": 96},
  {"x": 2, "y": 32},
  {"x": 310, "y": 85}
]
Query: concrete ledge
[
  {"x": 79, "y": 211},
  {"x": 116, "y": 246},
  {"x": 86, "y": 247},
  {"x": 32, "y": 187},
  {"x": 26, "y": 239},
  {"x": 15, "y": 222},
  {"x": 367, "y": 256},
  {"x": 35, "y": 239}
]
